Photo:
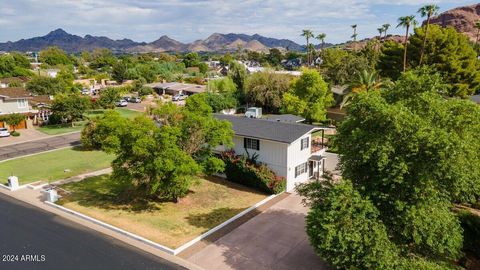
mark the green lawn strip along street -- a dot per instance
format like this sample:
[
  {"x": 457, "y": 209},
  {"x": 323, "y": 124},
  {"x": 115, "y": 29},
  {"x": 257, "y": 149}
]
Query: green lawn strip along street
[
  {"x": 54, "y": 165},
  {"x": 209, "y": 203},
  {"x": 78, "y": 126}
]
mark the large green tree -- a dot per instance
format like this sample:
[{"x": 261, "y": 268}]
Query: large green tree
[
  {"x": 109, "y": 96},
  {"x": 265, "y": 89},
  {"x": 413, "y": 154},
  {"x": 446, "y": 50},
  {"x": 308, "y": 96},
  {"x": 161, "y": 161},
  {"x": 13, "y": 65},
  {"x": 70, "y": 107},
  {"x": 53, "y": 56},
  {"x": 47, "y": 86},
  {"x": 341, "y": 67},
  {"x": 148, "y": 164}
]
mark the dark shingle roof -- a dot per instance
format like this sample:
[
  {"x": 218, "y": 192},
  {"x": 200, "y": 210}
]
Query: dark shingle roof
[{"x": 266, "y": 129}]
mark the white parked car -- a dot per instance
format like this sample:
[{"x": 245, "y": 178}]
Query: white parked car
[
  {"x": 179, "y": 97},
  {"x": 122, "y": 103},
  {"x": 4, "y": 132}
]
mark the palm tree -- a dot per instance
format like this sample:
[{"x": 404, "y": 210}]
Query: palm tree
[
  {"x": 405, "y": 21},
  {"x": 307, "y": 34},
  {"x": 321, "y": 37},
  {"x": 354, "y": 36},
  {"x": 477, "y": 25},
  {"x": 380, "y": 32},
  {"x": 366, "y": 81},
  {"x": 385, "y": 28},
  {"x": 428, "y": 11}
]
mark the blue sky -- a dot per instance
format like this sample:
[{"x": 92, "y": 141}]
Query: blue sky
[{"x": 189, "y": 20}]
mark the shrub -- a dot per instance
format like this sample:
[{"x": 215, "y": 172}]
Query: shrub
[
  {"x": 15, "y": 133},
  {"x": 244, "y": 171}
]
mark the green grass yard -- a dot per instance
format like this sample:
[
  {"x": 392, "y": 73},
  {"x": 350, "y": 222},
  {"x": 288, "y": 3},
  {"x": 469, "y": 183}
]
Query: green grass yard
[
  {"x": 208, "y": 204},
  {"x": 78, "y": 126},
  {"x": 51, "y": 166}
]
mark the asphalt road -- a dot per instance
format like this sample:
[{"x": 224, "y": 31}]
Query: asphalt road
[
  {"x": 27, "y": 148},
  {"x": 55, "y": 243}
]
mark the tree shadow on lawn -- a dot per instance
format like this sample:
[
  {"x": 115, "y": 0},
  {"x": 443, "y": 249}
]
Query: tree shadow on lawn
[
  {"x": 213, "y": 218},
  {"x": 104, "y": 192}
]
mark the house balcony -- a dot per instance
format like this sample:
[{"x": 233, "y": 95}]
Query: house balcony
[{"x": 318, "y": 145}]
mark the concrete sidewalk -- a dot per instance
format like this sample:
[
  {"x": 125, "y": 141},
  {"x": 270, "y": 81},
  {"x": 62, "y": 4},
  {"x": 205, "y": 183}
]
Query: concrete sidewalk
[{"x": 36, "y": 198}]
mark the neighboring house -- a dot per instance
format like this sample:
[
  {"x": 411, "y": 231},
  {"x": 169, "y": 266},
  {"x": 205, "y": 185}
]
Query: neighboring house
[
  {"x": 285, "y": 147},
  {"x": 14, "y": 100},
  {"x": 174, "y": 88}
]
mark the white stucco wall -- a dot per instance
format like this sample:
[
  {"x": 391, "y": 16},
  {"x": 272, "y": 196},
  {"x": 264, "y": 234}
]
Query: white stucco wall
[
  {"x": 274, "y": 154},
  {"x": 295, "y": 158},
  {"x": 281, "y": 158}
]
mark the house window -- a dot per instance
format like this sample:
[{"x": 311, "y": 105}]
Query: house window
[
  {"x": 21, "y": 103},
  {"x": 251, "y": 143},
  {"x": 304, "y": 143},
  {"x": 301, "y": 169}
]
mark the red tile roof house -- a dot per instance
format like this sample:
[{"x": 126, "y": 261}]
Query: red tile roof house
[{"x": 15, "y": 100}]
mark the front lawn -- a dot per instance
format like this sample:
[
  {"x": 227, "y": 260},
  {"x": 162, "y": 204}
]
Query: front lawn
[
  {"x": 78, "y": 126},
  {"x": 208, "y": 204},
  {"x": 54, "y": 165}
]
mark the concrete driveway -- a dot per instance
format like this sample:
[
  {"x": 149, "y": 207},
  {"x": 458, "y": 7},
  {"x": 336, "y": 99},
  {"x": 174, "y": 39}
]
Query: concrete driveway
[{"x": 274, "y": 239}]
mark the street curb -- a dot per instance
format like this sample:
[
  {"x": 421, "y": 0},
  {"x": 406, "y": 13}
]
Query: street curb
[
  {"x": 38, "y": 153},
  {"x": 154, "y": 244}
]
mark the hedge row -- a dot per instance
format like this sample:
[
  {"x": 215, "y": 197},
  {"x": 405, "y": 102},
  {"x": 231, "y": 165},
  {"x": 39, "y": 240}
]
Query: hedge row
[{"x": 243, "y": 171}]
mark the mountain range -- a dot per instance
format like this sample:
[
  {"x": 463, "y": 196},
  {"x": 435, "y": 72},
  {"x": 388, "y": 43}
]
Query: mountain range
[
  {"x": 214, "y": 43},
  {"x": 463, "y": 19}
]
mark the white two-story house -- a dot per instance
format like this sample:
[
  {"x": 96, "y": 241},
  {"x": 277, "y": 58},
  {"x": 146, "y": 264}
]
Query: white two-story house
[{"x": 285, "y": 147}]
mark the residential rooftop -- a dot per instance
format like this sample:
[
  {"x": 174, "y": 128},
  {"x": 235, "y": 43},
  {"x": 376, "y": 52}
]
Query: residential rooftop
[
  {"x": 176, "y": 86},
  {"x": 14, "y": 93},
  {"x": 285, "y": 132}
]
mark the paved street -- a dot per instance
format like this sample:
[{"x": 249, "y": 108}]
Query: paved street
[
  {"x": 57, "y": 243},
  {"x": 26, "y": 148}
]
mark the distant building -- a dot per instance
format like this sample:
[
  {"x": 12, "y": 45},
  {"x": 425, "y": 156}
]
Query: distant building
[{"x": 174, "y": 88}]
